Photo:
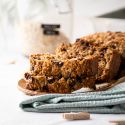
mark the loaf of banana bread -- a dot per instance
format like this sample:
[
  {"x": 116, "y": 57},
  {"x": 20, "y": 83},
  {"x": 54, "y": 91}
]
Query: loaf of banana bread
[{"x": 90, "y": 60}]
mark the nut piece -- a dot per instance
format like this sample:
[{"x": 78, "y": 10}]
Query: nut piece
[{"x": 76, "y": 116}]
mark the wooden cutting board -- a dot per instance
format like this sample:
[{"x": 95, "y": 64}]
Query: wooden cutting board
[{"x": 22, "y": 87}]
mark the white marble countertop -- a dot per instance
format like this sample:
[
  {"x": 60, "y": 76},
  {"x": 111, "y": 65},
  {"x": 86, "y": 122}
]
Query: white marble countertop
[{"x": 11, "y": 114}]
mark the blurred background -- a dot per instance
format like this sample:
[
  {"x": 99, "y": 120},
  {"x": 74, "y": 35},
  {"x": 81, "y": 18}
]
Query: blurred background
[{"x": 39, "y": 26}]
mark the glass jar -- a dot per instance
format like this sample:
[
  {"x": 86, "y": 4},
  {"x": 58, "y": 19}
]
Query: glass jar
[{"x": 44, "y": 24}]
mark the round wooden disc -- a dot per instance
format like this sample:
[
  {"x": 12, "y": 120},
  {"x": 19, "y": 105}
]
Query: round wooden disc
[
  {"x": 99, "y": 87},
  {"x": 106, "y": 86},
  {"x": 103, "y": 86},
  {"x": 22, "y": 87}
]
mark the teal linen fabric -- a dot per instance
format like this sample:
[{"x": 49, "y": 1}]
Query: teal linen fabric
[{"x": 110, "y": 101}]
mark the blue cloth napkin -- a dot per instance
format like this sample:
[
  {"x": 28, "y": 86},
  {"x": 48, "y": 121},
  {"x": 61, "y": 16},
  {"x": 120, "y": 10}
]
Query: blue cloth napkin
[{"x": 110, "y": 101}]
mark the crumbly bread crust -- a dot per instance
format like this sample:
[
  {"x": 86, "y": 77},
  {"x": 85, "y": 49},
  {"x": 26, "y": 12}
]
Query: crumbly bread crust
[
  {"x": 51, "y": 74},
  {"x": 113, "y": 40}
]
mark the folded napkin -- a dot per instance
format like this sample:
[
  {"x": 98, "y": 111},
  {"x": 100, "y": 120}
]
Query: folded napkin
[{"x": 110, "y": 101}]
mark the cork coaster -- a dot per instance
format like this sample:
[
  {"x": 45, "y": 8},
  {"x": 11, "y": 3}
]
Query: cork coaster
[
  {"x": 118, "y": 122},
  {"x": 99, "y": 87},
  {"x": 76, "y": 116}
]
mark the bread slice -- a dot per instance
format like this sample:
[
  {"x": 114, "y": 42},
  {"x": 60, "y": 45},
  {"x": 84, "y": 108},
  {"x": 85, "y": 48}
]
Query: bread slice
[
  {"x": 50, "y": 65},
  {"x": 62, "y": 85},
  {"x": 51, "y": 74}
]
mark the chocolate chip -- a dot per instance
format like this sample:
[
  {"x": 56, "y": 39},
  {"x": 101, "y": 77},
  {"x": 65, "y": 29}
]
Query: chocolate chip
[
  {"x": 27, "y": 76},
  {"x": 60, "y": 76},
  {"x": 58, "y": 63},
  {"x": 50, "y": 79},
  {"x": 45, "y": 88},
  {"x": 79, "y": 79},
  {"x": 71, "y": 85},
  {"x": 32, "y": 67},
  {"x": 113, "y": 46},
  {"x": 33, "y": 80},
  {"x": 87, "y": 44},
  {"x": 77, "y": 40},
  {"x": 71, "y": 82},
  {"x": 63, "y": 49},
  {"x": 103, "y": 49}
]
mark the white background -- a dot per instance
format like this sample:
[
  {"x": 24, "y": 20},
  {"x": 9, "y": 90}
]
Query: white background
[{"x": 83, "y": 23}]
